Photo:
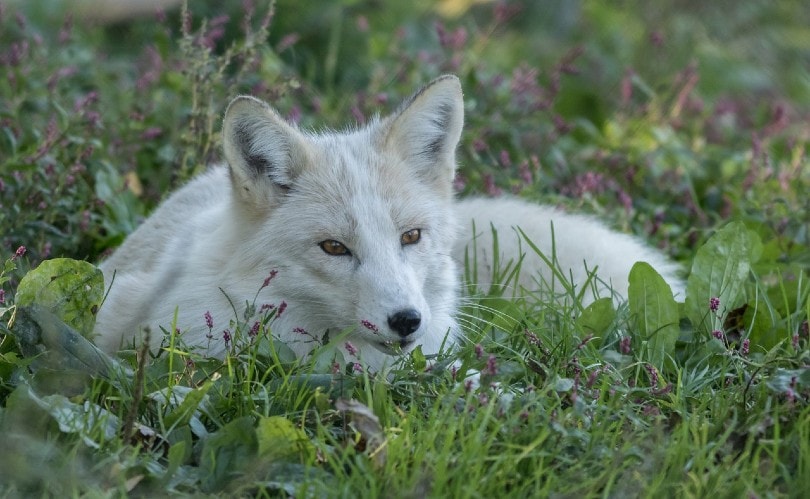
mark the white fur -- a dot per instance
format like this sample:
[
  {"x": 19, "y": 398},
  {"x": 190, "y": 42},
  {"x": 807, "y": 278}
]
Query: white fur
[
  {"x": 210, "y": 246},
  {"x": 584, "y": 251}
]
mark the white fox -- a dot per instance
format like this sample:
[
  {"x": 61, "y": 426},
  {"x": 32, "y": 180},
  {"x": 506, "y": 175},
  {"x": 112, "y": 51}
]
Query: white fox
[{"x": 358, "y": 230}]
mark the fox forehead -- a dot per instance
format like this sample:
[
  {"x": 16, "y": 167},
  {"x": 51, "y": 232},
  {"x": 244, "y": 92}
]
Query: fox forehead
[{"x": 348, "y": 177}]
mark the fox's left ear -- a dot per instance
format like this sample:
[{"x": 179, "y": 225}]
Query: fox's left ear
[{"x": 426, "y": 129}]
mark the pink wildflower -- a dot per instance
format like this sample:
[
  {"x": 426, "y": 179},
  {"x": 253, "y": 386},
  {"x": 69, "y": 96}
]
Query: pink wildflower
[
  {"x": 624, "y": 345},
  {"x": 370, "y": 326},
  {"x": 492, "y": 366},
  {"x": 269, "y": 278}
]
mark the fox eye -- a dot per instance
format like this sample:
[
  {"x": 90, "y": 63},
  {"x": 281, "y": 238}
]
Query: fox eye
[
  {"x": 411, "y": 237},
  {"x": 334, "y": 248}
]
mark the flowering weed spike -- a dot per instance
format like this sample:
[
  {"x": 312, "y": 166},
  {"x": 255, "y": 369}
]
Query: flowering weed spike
[
  {"x": 370, "y": 326},
  {"x": 532, "y": 338},
  {"x": 653, "y": 372},
  {"x": 269, "y": 278},
  {"x": 624, "y": 345},
  {"x": 492, "y": 365}
]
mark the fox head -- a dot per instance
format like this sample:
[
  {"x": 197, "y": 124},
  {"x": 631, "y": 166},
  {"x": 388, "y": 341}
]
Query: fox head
[{"x": 359, "y": 223}]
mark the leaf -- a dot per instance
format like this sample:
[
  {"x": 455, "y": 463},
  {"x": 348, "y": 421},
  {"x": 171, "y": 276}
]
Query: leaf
[
  {"x": 66, "y": 348},
  {"x": 763, "y": 322},
  {"x": 652, "y": 304},
  {"x": 292, "y": 478},
  {"x": 279, "y": 439},
  {"x": 187, "y": 402},
  {"x": 324, "y": 357},
  {"x": 720, "y": 270},
  {"x": 71, "y": 289},
  {"x": 419, "y": 359},
  {"x": 176, "y": 457},
  {"x": 789, "y": 380},
  {"x": 368, "y": 425},
  {"x": 86, "y": 419},
  {"x": 228, "y": 452},
  {"x": 563, "y": 384},
  {"x": 597, "y": 317}
]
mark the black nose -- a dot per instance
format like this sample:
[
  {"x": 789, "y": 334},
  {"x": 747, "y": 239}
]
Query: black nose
[{"x": 405, "y": 321}]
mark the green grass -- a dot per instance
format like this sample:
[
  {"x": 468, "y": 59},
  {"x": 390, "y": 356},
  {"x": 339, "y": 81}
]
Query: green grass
[{"x": 683, "y": 123}]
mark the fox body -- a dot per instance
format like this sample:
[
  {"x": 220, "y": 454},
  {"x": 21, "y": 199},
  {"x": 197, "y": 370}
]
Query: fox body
[{"x": 352, "y": 231}]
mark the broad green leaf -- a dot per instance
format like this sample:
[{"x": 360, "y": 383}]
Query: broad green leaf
[
  {"x": 563, "y": 384},
  {"x": 227, "y": 453},
  {"x": 323, "y": 358},
  {"x": 720, "y": 270},
  {"x": 66, "y": 348},
  {"x": 656, "y": 312},
  {"x": 763, "y": 322},
  {"x": 187, "y": 404},
  {"x": 71, "y": 289},
  {"x": 597, "y": 317},
  {"x": 280, "y": 439},
  {"x": 176, "y": 457},
  {"x": 93, "y": 423},
  {"x": 368, "y": 425}
]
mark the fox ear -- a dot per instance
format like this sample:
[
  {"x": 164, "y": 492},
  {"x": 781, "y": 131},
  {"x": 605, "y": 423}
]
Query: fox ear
[
  {"x": 426, "y": 129},
  {"x": 264, "y": 152}
]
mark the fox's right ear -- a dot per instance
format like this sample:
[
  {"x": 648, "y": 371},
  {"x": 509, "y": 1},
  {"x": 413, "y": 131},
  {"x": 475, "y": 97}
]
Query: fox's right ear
[{"x": 265, "y": 153}]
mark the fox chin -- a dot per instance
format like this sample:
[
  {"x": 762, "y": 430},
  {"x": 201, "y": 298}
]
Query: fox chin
[{"x": 353, "y": 234}]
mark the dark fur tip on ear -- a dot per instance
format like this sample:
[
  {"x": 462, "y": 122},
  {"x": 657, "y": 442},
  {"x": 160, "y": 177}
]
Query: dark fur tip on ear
[{"x": 264, "y": 152}]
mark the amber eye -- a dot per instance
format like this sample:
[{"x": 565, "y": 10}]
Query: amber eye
[
  {"x": 411, "y": 237},
  {"x": 334, "y": 248}
]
